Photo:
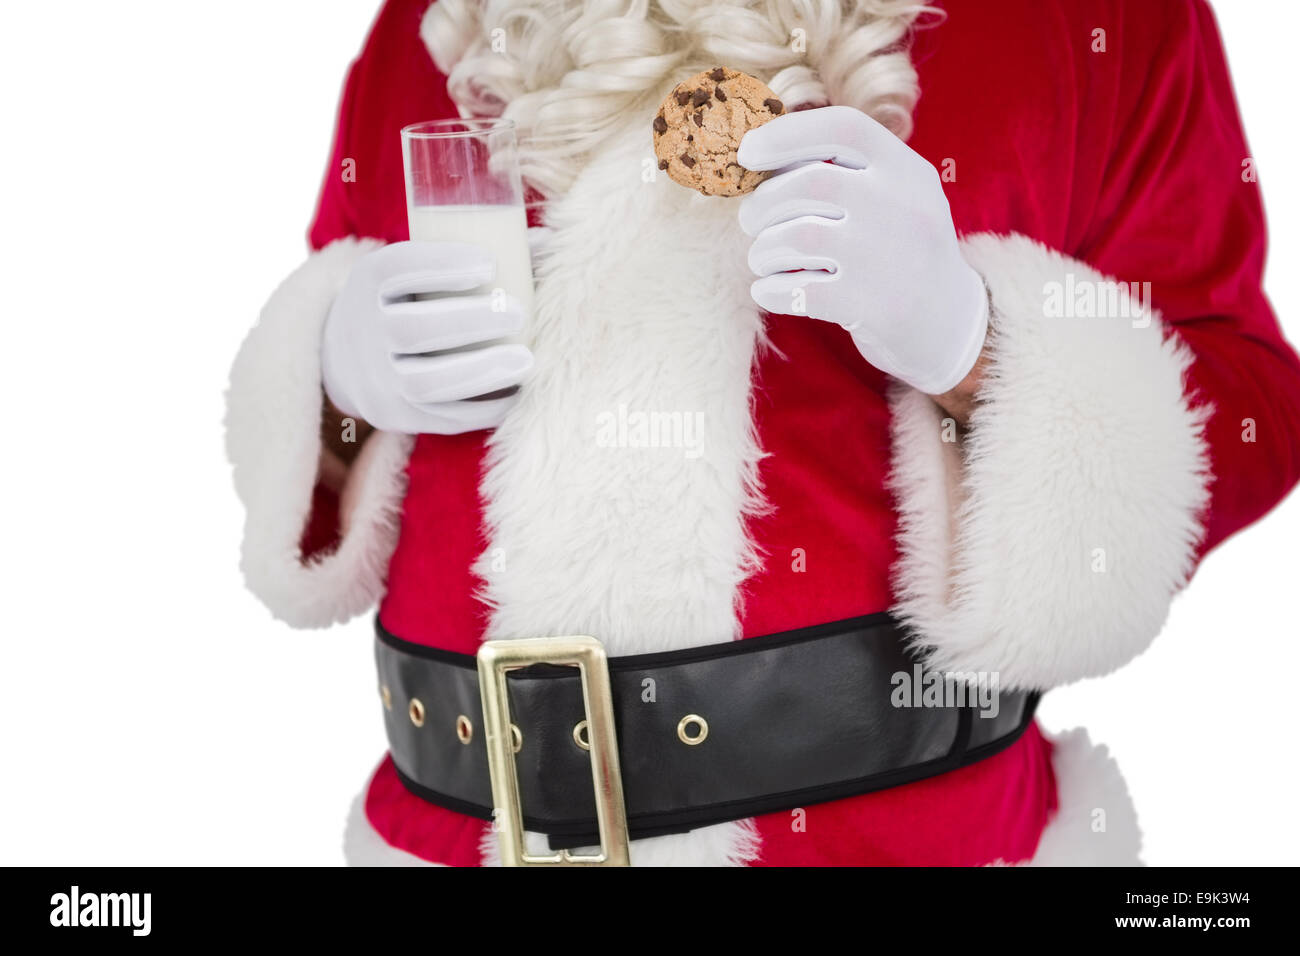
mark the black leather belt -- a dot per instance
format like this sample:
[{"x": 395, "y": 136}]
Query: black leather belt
[{"x": 787, "y": 720}]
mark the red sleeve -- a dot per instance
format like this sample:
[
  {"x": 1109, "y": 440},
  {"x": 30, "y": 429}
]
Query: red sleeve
[
  {"x": 391, "y": 84},
  {"x": 321, "y": 535},
  {"x": 1174, "y": 209}
]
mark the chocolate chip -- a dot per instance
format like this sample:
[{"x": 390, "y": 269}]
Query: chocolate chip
[
  {"x": 717, "y": 74},
  {"x": 722, "y": 97},
  {"x": 663, "y": 164},
  {"x": 699, "y": 118},
  {"x": 690, "y": 138},
  {"x": 683, "y": 97},
  {"x": 700, "y": 97},
  {"x": 687, "y": 160},
  {"x": 774, "y": 105},
  {"x": 661, "y": 124}
]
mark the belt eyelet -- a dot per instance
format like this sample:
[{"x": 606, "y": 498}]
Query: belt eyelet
[{"x": 692, "y": 720}]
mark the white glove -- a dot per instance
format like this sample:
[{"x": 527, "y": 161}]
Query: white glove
[
  {"x": 869, "y": 240},
  {"x": 371, "y": 361}
]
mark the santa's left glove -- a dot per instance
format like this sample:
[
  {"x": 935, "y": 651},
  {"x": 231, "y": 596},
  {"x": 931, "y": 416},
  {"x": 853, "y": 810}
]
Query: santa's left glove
[
  {"x": 409, "y": 346},
  {"x": 855, "y": 229}
]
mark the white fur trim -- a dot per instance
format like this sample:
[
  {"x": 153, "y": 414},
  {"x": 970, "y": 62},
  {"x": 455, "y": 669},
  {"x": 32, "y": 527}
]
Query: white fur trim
[
  {"x": 273, "y": 440},
  {"x": 631, "y": 319},
  {"x": 1095, "y": 823},
  {"x": 1083, "y": 440},
  {"x": 363, "y": 846}
]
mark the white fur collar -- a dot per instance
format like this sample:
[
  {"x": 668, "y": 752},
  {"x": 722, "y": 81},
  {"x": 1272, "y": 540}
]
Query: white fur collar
[{"x": 644, "y": 334}]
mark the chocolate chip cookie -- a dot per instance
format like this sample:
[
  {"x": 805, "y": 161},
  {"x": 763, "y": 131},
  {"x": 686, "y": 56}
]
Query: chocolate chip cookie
[{"x": 698, "y": 129}]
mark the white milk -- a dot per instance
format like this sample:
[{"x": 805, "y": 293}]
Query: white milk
[{"x": 503, "y": 230}]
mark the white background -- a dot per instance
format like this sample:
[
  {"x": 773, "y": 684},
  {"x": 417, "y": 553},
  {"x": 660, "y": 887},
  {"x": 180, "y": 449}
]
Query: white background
[{"x": 159, "y": 167}]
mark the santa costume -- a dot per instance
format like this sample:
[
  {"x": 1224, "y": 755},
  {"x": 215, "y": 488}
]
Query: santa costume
[{"x": 825, "y": 490}]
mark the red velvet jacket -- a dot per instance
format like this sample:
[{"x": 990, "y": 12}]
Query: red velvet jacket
[{"x": 1130, "y": 159}]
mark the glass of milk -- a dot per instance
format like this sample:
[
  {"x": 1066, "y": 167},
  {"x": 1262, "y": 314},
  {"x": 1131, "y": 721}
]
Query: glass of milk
[{"x": 463, "y": 185}]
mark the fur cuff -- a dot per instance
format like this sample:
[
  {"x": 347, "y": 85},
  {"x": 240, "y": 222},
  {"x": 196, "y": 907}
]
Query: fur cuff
[
  {"x": 1047, "y": 543},
  {"x": 273, "y": 420}
]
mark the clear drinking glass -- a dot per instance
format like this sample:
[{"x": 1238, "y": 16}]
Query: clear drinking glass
[{"x": 463, "y": 185}]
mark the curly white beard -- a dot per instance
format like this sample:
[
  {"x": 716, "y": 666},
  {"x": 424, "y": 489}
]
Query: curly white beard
[{"x": 568, "y": 71}]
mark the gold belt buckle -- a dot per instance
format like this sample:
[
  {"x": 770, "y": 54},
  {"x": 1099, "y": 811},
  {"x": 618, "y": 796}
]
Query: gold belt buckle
[{"x": 495, "y": 659}]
